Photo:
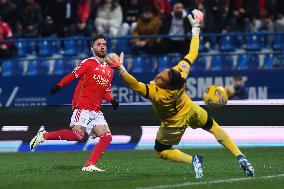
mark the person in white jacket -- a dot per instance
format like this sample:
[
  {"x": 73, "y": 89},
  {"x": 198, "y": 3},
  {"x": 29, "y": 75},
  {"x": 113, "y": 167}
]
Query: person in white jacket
[{"x": 109, "y": 17}]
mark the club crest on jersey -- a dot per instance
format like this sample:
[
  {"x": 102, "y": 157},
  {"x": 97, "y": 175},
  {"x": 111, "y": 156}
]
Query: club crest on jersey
[{"x": 184, "y": 67}]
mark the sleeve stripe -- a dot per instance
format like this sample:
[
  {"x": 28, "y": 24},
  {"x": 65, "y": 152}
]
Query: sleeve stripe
[
  {"x": 185, "y": 59},
  {"x": 147, "y": 91}
]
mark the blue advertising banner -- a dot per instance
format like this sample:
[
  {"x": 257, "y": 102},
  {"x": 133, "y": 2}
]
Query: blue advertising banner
[{"x": 34, "y": 90}]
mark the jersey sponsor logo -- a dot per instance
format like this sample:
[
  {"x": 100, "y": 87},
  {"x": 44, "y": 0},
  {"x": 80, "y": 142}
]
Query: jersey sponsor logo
[{"x": 101, "y": 80}]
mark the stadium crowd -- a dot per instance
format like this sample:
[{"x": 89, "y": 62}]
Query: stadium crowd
[{"x": 65, "y": 18}]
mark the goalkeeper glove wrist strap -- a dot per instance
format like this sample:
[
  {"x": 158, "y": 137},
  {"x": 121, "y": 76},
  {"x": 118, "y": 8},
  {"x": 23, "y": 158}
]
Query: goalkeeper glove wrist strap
[
  {"x": 121, "y": 70},
  {"x": 195, "y": 31}
]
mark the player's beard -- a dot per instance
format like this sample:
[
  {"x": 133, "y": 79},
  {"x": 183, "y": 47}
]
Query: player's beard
[{"x": 100, "y": 54}]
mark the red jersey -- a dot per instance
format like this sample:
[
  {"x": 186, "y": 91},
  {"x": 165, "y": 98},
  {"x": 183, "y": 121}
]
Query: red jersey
[{"x": 94, "y": 84}]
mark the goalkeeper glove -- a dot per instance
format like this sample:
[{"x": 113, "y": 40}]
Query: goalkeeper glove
[
  {"x": 115, "y": 61},
  {"x": 114, "y": 104},
  {"x": 55, "y": 89},
  {"x": 195, "y": 19}
]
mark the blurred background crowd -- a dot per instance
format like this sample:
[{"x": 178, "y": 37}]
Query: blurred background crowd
[{"x": 41, "y": 19}]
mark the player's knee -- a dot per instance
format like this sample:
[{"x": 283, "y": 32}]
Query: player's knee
[
  {"x": 106, "y": 138},
  {"x": 159, "y": 147},
  {"x": 209, "y": 123}
]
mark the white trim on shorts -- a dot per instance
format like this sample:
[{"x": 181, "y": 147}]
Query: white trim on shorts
[{"x": 87, "y": 119}]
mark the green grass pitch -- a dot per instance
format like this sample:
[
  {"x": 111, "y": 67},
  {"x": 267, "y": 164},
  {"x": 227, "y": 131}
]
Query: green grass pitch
[{"x": 140, "y": 169}]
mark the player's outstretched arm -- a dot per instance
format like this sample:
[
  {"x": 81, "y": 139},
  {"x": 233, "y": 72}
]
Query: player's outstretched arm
[
  {"x": 184, "y": 65},
  {"x": 117, "y": 63},
  {"x": 65, "y": 81}
]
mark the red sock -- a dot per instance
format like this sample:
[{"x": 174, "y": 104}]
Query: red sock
[
  {"x": 64, "y": 134},
  {"x": 99, "y": 149}
]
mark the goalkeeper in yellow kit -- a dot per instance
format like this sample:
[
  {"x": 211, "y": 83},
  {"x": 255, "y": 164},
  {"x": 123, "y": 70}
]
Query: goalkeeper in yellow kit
[{"x": 176, "y": 110}]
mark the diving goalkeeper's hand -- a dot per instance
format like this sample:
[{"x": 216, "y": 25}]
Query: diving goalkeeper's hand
[
  {"x": 55, "y": 89},
  {"x": 116, "y": 62},
  {"x": 195, "y": 19}
]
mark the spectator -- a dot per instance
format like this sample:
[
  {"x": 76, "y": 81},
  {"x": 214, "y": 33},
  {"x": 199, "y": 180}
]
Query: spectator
[
  {"x": 131, "y": 10},
  {"x": 261, "y": 13},
  {"x": 109, "y": 17},
  {"x": 279, "y": 23},
  {"x": 8, "y": 11},
  {"x": 82, "y": 25},
  {"x": 5, "y": 33},
  {"x": 215, "y": 15},
  {"x": 60, "y": 14},
  {"x": 188, "y": 4},
  {"x": 148, "y": 24},
  {"x": 237, "y": 91},
  {"x": 162, "y": 7},
  {"x": 29, "y": 19},
  {"x": 175, "y": 24},
  {"x": 237, "y": 18},
  {"x": 48, "y": 27}
]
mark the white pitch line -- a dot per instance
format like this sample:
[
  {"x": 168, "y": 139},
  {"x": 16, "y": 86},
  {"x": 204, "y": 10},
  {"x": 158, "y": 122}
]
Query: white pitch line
[{"x": 210, "y": 182}]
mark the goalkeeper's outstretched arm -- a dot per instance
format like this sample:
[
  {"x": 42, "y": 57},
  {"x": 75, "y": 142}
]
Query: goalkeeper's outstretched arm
[
  {"x": 184, "y": 65},
  {"x": 132, "y": 82}
]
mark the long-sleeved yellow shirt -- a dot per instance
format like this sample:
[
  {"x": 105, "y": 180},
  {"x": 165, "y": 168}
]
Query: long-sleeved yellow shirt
[{"x": 170, "y": 105}]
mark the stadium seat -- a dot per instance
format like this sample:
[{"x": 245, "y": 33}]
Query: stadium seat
[
  {"x": 70, "y": 48},
  {"x": 264, "y": 40},
  {"x": 278, "y": 39},
  {"x": 272, "y": 61},
  {"x": 32, "y": 68},
  {"x": 144, "y": 64},
  {"x": 174, "y": 58},
  {"x": 59, "y": 67},
  {"x": 21, "y": 48},
  {"x": 44, "y": 67},
  {"x": 213, "y": 39},
  {"x": 137, "y": 65},
  {"x": 10, "y": 68},
  {"x": 45, "y": 48},
  {"x": 25, "y": 47},
  {"x": 202, "y": 47},
  {"x": 247, "y": 61},
  {"x": 70, "y": 64},
  {"x": 56, "y": 46},
  {"x": 164, "y": 63},
  {"x": 81, "y": 46},
  {"x": 221, "y": 62},
  {"x": 199, "y": 65},
  {"x": 227, "y": 43},
  {"x": 238, "y": 39},
  {"x": 253, "y": 42}
]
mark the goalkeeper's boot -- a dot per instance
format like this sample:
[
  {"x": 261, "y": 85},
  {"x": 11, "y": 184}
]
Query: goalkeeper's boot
[
  {"x": 92, "y": 168},
  {"x": 246, "y": 165},
  {"x": 37, "y": 140},
  {"x": 197, "y": 161}
]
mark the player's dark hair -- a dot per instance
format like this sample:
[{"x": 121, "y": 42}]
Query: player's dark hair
[
  {"x": 99, "y": 36},
  {"x": 176, "y": 81}
]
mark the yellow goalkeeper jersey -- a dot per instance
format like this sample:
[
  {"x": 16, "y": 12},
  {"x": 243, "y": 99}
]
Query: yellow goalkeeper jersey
[{"x": 171, "y": 106}]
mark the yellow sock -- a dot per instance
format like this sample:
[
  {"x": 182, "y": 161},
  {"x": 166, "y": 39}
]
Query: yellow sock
[
  {"x": 175, "y": 155},
  {"x": 223, "y": 138}
]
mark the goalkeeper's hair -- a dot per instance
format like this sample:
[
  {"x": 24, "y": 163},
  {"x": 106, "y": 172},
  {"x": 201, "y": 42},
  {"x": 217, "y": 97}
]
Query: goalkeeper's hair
[
  {"x": 175, "y": 79},
  {"x": 99, "y": 36}
]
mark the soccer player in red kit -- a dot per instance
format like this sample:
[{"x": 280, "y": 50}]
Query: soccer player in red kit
[{"x": 94, "y": 85}]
